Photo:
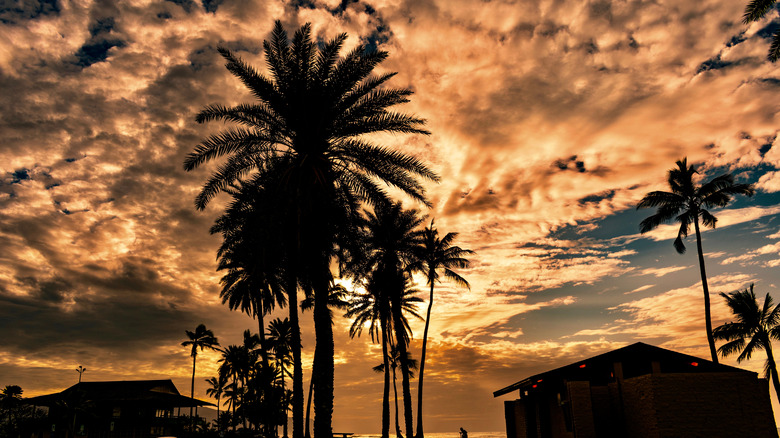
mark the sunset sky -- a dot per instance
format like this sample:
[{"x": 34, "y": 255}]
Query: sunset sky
[{"x": 550, "y": 120}]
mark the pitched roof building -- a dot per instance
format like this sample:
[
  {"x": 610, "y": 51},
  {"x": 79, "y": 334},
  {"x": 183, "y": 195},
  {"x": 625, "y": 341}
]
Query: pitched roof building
[
  {"x": 640, "y": 391},
  {"x": 137, "y": 408}
]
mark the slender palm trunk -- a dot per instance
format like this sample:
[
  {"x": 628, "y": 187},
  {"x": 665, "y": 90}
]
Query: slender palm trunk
[
  {"x": 772, "y": 367},
  {"x": 402, "y": 351},
  {"x": 422, "y": 365},
  {"x": 323, "y": 366},
  {"x": 395, "y": 395},
  {"x": 295, "y": 340},
  {"x": 285, "y": 402},
  {"x": 308, "y": 405},
  {"x": 707, "y": 315},
  {"x": 192, "y": 388},
  {"x": 386, "y": 389}
]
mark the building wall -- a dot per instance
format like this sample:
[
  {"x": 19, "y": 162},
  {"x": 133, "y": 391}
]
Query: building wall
[{"x": 712, "y": 405}]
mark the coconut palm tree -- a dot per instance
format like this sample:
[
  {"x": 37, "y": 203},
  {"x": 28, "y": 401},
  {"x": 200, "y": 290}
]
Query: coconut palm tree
[
  {"x": 393, "y": 363},
  {"x": 216, "y": 389},
  {"x": 755, "y": 11},
  {"x": 686, "y": 203},
  {"x": 392, "y": 241},
  {"x": 755, "y": 327},
  {"x": 371, "y": 310},
  {"x": 436, "y": 255},
  {"x": 314, "y": 112},
  {"x": 201, "y": 338}
]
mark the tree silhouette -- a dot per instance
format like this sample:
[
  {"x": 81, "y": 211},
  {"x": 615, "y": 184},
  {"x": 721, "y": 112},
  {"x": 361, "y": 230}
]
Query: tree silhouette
[
  {"x": 686, "y": 203},
  {"x": 392, "y": 241},
  {"x": 753, "y": 330},
  {"x": 755, "y": 11},
  {"x": 435, "y": 255},
  {"x": 280, "y": 340},
  {"x": 201, "y": 338},
  {"x": 216, "y": 389},
  {"x": 314, "y": 112}
]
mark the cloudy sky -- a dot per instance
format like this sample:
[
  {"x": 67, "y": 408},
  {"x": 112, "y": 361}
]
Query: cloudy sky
[{"x": 549, "y": 119}]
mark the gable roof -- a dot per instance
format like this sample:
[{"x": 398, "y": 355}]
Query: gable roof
[
  {"x": 636, "y": 360},
  {"x": 123, "y": 390}
]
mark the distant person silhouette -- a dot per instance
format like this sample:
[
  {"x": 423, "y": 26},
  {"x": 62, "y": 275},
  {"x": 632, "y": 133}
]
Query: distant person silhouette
[{"x": 463, "y": 433}]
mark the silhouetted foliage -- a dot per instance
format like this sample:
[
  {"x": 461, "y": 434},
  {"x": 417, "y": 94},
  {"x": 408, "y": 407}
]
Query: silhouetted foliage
[
  {"x": 755, "y": 327},
  {"x": 686, "y": 204}
]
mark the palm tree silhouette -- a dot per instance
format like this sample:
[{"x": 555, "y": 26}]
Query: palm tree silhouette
[
  {"x": 314, "y": 111},
  {"x": 753, "y": 330},
  {"x": 280, "y": 340},
  {"x": 393, "y": 363},
  {"x": 372, "y": 310},
  {"x": 435, "y": 255},
  {"x": 686, "y": 203},
  {"x": 201, "y": 338},
  {"x": 392, "y": 244},
  {"x": 216, "y": 389}
]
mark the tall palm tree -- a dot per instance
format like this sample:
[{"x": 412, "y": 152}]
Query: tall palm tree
[
  {"x": 436, "y": 255},
  {"x": 314, "y": 112},
  {"x": 216, "y": 389},
  {"x": 392, "y": 240},
  {"x": 686, "y": 203},
  {"x": 753, "y": 330},
  {"x": 201, "y": 338},
  {"x": 371, "y": 310},
  {"x": 393, "y": 363},
  {"x": 755, "y": 11}
]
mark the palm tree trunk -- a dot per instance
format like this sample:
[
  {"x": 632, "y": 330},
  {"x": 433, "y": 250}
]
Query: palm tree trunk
[
  {"x": 386, "y": 389},
  {"x": 707, "y": 315},
  {"x": 323, "y": 365},
  {"x": 285, "y": 403},
  {"x": 308, "y": 405},
  {"x": 402, "y": 350},
  {"x": 772, "y": 367},
  {"x": 295, "y": 340},
  {"x": 192, "y": 388},
  {"x": 267, "y": 420},
  {"x": 395, "y": 395},
  {"x": 422, "y": 366}
]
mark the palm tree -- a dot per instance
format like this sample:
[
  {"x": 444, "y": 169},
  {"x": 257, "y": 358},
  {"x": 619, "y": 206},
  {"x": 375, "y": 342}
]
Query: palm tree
[
  {"x": 686, "y": 203},
  {"x": 753, "y": 330},
  {"x": 311, "y": 119},
  {"x": 392, "y": 241},
  {"x": 370, "y": 309},
  {"x": 755, "y": 11},
  {"x": 216, "y": 390},
  {"x": 280, "y": 340},
  {"x": 201, "y": 338},
  {"x": 393, "y": 363},
  {"x": 436, "y": 254}
]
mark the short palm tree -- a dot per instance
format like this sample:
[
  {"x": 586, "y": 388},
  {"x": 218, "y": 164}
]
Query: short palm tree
[
  {"x": 216, "y": 389},
  {"x": 686, "y": 203},
  {"x": 280, "y": 341},
  {"x": 755, "y": 11},
  {"x": 311, "y": 118},
  {"x": 755, "y": 327},
  {"x": 436, "y": 255},
  {"x": 201, "y": 338}
]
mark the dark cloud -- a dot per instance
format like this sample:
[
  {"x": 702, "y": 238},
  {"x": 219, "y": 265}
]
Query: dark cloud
[{"x": 15, "y": 11}]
